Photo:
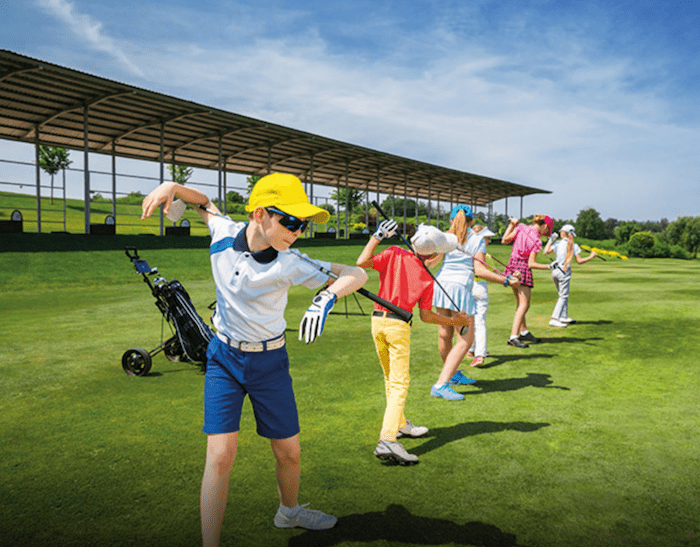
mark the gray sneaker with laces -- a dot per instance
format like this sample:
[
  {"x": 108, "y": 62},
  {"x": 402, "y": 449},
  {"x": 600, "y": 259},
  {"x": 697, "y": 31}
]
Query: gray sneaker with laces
[
  {"x": 310, "y": 519},
  {"x": 410, "y": 430},
  {"x": 386, "y": 450}
]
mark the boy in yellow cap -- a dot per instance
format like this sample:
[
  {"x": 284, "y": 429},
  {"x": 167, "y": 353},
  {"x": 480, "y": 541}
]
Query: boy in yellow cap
[{"x": 253, "y": 271}]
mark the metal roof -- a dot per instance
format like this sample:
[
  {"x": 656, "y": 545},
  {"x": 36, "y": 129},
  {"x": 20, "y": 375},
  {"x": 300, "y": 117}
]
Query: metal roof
[{"x": 53, "y": 105}]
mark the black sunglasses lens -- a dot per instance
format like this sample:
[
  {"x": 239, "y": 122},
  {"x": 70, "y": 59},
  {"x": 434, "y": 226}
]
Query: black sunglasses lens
[{"x": 290, "y": 222}]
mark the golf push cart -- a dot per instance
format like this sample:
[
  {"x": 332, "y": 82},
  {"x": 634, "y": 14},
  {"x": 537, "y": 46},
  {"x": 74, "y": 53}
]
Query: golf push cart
[{"x": 190, "y": 334}]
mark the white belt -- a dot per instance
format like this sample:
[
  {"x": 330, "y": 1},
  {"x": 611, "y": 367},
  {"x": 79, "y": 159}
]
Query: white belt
[{"x": 267, "y": 345}]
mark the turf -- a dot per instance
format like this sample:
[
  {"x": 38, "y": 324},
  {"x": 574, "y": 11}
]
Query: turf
[{"x": 589, "y": 438}]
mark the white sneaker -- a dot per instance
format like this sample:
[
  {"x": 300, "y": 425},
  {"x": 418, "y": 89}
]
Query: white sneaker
[
  {"x": 386, "y": 450},
  {"x": 568, "y": 320},
  {"x": 556, "y": 323},
  {"x": 410, "y": 430},
  {"x": 305, "y": 518}
]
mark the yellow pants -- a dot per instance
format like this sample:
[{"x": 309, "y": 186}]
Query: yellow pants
[{"x": 392, "y": 338}]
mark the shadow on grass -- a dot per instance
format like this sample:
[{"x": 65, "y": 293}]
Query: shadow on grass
[
  {"x": 440, "y": 436},
  {"x": 503, "y": 359},
  {"x": 569, "y": 340},
  {"x": 398, "y": 525},
  {"x": 600, "y": 322},
  {"x": 532, "y": 379}
]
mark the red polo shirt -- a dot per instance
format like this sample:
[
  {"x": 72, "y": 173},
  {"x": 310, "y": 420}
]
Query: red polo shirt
[{"x": 403, "y": 280}]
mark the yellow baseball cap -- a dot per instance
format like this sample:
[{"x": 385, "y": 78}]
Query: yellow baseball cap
[{"x": 286, "y": 193}]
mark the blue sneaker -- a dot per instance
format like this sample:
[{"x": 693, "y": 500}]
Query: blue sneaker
[
  {"x": 446, "y": 392},
  {"x": 460, "y": 379}
]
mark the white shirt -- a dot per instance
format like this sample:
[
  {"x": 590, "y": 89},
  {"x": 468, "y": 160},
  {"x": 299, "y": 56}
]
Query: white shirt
[
  {"x": 559, "y": 248},
  {"x": 251, "y": 288}
]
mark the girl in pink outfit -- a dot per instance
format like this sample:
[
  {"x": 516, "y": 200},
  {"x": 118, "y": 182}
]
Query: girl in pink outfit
[{"x": 526, "y": 244}]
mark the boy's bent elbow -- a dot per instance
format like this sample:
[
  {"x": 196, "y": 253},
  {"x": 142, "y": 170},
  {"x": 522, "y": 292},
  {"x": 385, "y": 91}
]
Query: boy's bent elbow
[{"x": 362, "y": 276}]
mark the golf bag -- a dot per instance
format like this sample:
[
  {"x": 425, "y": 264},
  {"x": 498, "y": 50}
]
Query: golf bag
[{"x": 191, "y": 335}]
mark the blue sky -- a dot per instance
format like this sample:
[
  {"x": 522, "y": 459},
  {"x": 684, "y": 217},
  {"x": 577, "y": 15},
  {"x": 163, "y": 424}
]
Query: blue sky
[{"x": 596, "y": 101}]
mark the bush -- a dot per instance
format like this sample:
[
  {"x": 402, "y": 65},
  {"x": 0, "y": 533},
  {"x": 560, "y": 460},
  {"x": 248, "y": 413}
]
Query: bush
[
  {"x": 235, "y": 208},
  {"x": 641, "y": 244},
  {"x": 676, "y": 251}
]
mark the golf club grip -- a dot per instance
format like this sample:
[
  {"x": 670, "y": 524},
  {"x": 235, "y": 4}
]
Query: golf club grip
[{"x": 403, "y": 314}]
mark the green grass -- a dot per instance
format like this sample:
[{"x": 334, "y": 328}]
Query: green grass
[{"x": 589, "y": 439}]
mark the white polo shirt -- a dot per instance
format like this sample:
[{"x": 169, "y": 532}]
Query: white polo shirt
[
  {"x": 559, "y": 248},
  {"x": 251, "y": 288}
]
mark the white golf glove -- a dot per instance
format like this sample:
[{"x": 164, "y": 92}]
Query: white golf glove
[
  {"x": 386, "y": 228},
  {"x": 553, "y": 237},
  {"x": 553, "y": 265},
  {"x": 315, "y": 317}
]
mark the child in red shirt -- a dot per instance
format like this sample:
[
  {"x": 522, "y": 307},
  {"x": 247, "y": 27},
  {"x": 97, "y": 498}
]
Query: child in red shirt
[{"x": 405, "y": 282}]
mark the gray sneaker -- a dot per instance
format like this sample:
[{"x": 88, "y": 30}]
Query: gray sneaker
[
  {"x": 305, "y": 518},
  {"x": 410, "y": 430},
  {"x": 386, "y": 450}
]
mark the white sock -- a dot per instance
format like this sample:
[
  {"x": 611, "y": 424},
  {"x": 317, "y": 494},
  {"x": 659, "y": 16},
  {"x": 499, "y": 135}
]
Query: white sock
[
  {"x": 438, "y": 386},
  {"x": 513, "y": 336},
  {"x": 524, "y": 332}
]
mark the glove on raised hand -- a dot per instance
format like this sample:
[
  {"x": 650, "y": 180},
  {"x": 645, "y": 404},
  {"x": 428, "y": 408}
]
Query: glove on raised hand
[
  {"x": 315, "y": 317},
  {"x": 386, "y": 228},
  {"x": 553, "y": 237}
]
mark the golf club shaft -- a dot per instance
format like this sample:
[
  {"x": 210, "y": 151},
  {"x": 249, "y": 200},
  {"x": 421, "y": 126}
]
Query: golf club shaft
[
  {"x": 403, "y": 314},
  {"x": 484, "y": 263}
]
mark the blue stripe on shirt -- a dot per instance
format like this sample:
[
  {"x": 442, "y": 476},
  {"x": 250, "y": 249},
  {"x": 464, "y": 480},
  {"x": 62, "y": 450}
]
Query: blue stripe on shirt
[{"x": 221, "y": 245}]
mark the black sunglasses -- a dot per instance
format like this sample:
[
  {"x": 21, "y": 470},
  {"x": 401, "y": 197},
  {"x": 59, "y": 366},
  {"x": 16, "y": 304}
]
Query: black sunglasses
[{"x": 288, "y": 221}]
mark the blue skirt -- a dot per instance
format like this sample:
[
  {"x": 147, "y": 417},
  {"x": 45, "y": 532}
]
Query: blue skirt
[{"x": 461, "y": 293}]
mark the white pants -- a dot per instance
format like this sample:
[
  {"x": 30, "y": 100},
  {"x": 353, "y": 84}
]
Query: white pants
[
  {"x": 562, "y": 282},
  {"x": 481, "y": 295}
]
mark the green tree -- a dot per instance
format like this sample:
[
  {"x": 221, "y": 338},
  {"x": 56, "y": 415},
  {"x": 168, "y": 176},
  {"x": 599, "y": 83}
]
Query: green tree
[
  {"x": 590, "y": 225},
  {"x": 234, "y": 197},
  {"x": 625, "y": 230},
  {"x": 674, "y": 231},
  {"x": 610, "y": 225},
  {"x": 690, "y": 240},
  {"x": 398, "y": 205},
  {"x": 252, "y": 181},
  {"x": 180, "y": 173},
  {"x": 355, "y": 198},
  {"x": 52, "y": 160}
]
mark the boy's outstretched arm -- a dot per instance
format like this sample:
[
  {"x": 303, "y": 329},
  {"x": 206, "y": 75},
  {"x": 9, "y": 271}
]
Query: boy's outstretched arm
[
  {"x": 167, "y": 192},
  {"x": 350, "y": 278}
]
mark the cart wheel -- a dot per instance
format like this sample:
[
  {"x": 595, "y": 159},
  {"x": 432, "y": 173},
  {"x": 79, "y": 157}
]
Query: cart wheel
[
  {"x": 136, "y": 362},
  {"x": 173, "y": 351}
]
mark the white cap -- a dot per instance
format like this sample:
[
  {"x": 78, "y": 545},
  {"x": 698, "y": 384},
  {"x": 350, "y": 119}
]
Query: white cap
[
  {"x": 429, "y": 240},
  {"x": 569, "y": 229},
  {"x": 486, "y": 233}
]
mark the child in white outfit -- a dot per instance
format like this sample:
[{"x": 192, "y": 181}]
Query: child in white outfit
[{"x": 564, "y": 251}]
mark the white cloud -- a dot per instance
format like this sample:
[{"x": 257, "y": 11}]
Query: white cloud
[{"x": 88, "y": 30}]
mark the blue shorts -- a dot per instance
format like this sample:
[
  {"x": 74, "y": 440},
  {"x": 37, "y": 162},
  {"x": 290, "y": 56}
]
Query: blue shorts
[{"x": 264, "y": 376}]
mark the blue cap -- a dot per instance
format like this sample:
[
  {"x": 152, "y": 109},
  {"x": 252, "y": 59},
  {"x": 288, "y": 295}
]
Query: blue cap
[{"x": 467, "y": 211}]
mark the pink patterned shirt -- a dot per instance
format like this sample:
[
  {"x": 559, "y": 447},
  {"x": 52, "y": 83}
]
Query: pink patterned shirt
[{"x": 527, "y": 239}]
